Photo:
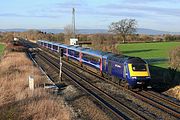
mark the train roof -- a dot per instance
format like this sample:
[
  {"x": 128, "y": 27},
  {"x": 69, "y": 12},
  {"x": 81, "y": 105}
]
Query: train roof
[
  {"x": 127, "y": 59},
  {"x": 42, "y": 40},
  {"x": 108, "y": 54},
  {"x": 64, "y": 45},
  {"x": 118, "y": 58},
  {"x": 57, "y": 44},
  {"x": 97, "y": 53},
  {"x": 76, "y": 48},
  {"x": 136, "y": 60},
  {"x": 45, "y": 41}
]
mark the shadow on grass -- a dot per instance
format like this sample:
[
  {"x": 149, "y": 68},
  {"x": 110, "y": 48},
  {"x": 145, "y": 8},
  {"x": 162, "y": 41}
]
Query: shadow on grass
[
  {"x": 138, "y": 51},
  {"x": 156, "y": 60},
  {"x": 163, "y": 79}
]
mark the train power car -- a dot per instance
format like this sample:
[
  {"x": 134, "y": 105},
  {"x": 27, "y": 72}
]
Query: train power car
[{"x": 133, "y": 71}]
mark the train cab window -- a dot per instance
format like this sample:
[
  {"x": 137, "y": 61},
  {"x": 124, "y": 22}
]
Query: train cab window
[{"x": 138, "y": 67}]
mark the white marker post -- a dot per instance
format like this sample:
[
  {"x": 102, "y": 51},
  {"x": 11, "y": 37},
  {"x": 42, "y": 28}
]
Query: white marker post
[
  {"x": 60, "y": 68},
  {"x": 60, "y": 64},
  {"x": 31, "y": 83}
]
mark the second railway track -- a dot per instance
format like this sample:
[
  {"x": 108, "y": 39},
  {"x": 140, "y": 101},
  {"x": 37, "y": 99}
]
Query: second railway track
[{"x": 168, "y": 105}]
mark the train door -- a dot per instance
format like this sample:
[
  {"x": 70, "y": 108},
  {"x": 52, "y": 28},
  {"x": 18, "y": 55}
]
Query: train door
[
  {"x": 124, "y": 72},
  {"x": 109, "y": 67},
  {"x": 104, "y": 65}
]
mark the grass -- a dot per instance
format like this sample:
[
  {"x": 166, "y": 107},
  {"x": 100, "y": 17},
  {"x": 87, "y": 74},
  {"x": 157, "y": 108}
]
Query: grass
[
  {"x": 156, "y": 52},
  {"x": 1, "y": 49}
]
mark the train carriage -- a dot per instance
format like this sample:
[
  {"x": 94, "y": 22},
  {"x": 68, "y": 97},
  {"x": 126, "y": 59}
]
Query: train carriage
[
  {"x": 65, "y": 49},
  {"x": 74, "y": 52},
  {"x": 43, "y": 43},
  {"x": 55, "y": 47},
  {"x": 92, "y": 58}
]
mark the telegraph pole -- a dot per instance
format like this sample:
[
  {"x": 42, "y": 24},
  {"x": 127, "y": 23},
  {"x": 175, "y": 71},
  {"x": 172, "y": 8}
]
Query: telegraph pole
[{"x": 73, "y": 22}]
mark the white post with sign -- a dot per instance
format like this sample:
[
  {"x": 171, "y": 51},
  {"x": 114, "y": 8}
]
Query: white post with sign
[
  {"x": 60, "y": 68},
  {"x": 31, "y": 83},
  {"x": 60, "y": 63}
]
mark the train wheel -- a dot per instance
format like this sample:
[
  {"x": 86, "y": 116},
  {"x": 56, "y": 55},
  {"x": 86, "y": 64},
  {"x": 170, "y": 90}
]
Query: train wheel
[
  {"x": 123, "y": 82},
  {"x": 127, "y": 86},
  {"x": 109, "y": 78}
]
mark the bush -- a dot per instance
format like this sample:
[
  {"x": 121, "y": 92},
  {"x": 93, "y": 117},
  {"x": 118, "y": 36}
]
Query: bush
[{"x": 175, "y": 58}]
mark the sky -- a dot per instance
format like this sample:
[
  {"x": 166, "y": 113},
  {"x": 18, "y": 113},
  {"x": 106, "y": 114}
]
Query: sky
[{"x": 90, "y": 14}]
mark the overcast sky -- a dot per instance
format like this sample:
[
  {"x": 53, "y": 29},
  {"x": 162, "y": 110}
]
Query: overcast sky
[{"x": 153, "y": 14}]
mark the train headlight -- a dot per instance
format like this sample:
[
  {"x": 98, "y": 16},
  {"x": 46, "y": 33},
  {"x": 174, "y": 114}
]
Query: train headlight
[{"x": 134, "y": 77}]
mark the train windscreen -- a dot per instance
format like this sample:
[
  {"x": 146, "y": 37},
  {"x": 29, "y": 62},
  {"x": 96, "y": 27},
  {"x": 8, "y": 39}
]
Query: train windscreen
[{"x": 139, "y": 67}]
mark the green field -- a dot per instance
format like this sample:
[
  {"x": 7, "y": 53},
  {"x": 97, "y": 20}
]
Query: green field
[
  {"x": 156, "y": 53},
  {"x": 1, "y": 49}
]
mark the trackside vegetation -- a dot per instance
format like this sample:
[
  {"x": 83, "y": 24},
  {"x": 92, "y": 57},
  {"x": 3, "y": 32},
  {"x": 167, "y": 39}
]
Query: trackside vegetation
[
  {"x": 1, "y": 49},
  {"x": 155, "y": 53}
]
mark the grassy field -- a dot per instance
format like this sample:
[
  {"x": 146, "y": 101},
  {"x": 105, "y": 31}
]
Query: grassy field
[
  {"x": 1, "y": 49},
  {"x": 156, "y": 53}
]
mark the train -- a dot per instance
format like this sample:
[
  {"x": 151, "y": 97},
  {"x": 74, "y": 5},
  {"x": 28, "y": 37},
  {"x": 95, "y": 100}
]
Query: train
[{"x": 133, "y": 72}]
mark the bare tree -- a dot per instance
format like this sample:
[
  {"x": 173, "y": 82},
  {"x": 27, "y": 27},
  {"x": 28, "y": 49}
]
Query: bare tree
[
  {"x": 68, "y": 31},
  {"x": 123, "y": 27}
]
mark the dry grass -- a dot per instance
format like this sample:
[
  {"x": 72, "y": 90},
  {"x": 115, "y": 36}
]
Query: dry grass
[
  {"x": 17, "y": 101},
  {"x": 91, "y": 110},
  {"x": 174, "y": 92}
]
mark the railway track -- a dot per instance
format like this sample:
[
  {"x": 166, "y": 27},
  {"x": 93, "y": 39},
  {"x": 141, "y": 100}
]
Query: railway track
[
  {"x": 119, "y": 109},
  {"x": 144, "y": 96},
  {"x": 163, "y": 103},
  {"x": 157, "y": 97}
]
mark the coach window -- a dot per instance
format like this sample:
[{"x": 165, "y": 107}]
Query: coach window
[
  {"x": 49, "y": 45},
  {"x": 55, "y": 47},
  {"x": 64, "y": 50},
  {"x": 71, "y": 52},
  {"x": 95, "y": 60},
  {"x": 76, "y": 54},
  {"x": 85, "y": 57}
]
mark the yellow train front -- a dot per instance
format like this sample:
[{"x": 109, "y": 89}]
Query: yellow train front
[
  {"x": 137, "y": 72},
  {"x": 132, "y": 70}
]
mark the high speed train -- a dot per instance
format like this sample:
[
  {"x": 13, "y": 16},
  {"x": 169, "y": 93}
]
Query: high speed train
[{"x": 133, "y": 71}]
